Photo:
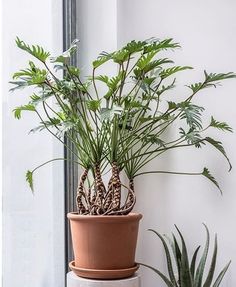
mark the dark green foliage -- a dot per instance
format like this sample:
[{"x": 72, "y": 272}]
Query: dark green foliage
[
  {"x": 194, "y": 274},
  {"x": 209, "y": 176},
  {"x": 220, "y": 125},
  {"x": 130, "y": 120},
  {"x": 29, "y": 179}
]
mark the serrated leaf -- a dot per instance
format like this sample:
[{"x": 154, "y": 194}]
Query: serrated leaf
[
  {"x": 218, "y": 145},
  {"x": 17, "y": 111},
  {"x": 192, "y": 137},
  {"x": 120, "y": 56},
  {"x": 196, "y": 87},
  {"x": 192, "y": 114},
  {"x": 36, "y": 51},
  {"x": 220, "y": 125},
  {"x": 18, "y": 85},
  {"x": 215, "y": 77},
  {"x": 209, "y": 176},
  {"x": 101, "y": 60},
  {"x": 29, "y": 179},
  {"x": 170, "y": 71},
  {"x": 134, "y": 46},
  {"x": 158, "y": 45}
]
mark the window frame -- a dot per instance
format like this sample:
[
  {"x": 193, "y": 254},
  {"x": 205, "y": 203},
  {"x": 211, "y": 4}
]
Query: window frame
[{"x": 70, "y": 167}]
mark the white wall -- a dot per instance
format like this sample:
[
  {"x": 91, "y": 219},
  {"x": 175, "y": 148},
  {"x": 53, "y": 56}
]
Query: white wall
[
  {"x": 33, "y": 239},
  {"x": 206, "y": 31}
]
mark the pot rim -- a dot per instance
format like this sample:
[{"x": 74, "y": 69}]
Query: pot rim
[{"x": 121, "y": 218}]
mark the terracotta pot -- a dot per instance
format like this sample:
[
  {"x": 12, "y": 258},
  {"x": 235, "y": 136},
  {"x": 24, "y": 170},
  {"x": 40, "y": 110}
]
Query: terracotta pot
[{"x": 104, "y": 243}]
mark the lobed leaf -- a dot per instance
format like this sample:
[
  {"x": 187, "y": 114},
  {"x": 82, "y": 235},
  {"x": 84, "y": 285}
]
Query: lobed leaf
[
  {"x": 220, "y": 125},
  {"x": 17, "y": 111},
  {"x": 209, "y": 176},
  {"x": 36, "y": 51},
  {"x": 29, "y": 179},
  {"x": 218, "y": 145}
]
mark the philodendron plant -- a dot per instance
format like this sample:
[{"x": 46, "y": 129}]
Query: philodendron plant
[
  {"x": 122, "y": 129},
  {"x": 185, "y": 273}
]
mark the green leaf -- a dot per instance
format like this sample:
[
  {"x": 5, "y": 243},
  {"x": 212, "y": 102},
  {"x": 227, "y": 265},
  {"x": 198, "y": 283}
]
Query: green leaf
[
  {"x": 157, "y": 45},
  {"x": 214, "y": 77},
  {"x": 29, "y": 179},
  {"x": 145, "y": 59},
  {"x": 185, "y": 274},
  {"x": 212, "y": 266},
  {"x": 221, "y": 275},
  {"x": 220, "y": 125},
  {"x": 211, "y": 80},
  {"x": 120, "y": 56},
  {"x": 192, "y": 114},
  {"x": 19, "y": 85},
  {"x": 166, "y": 88},
  {"x": 168, "y": 72},
  {"x": 172, "y": 105},
  {"x": 36, "y": 99},
  {"x": 163, "y": 277},
  {"x": 17, "y": 111},
  {"x": 101, "y": 60},
  {"x": 202, "y": 263},
  {"x": 177, "y": 254},
  {"x": 209, "y": 176},
  {"x": 36, "y": 51},
  {"x": 74, "y": 71},
  {"x": 93, "y": 105},
  {"x": 154, "y": 139},
  {"x": 102, "y": 78},
  {"x": 193, "y": 261},
  {"x": 65, "y": 56},
  {"x": 31, "y": 76},
  {"x": 218, "y": 145},
  {"x": 168, "y": 258},
  {"x": 192, "y": 137},
  {"x": 196, "y": 87},
  {"x": 135, "y": 46},
  {"x": 108, "y": 114},
  {"x": 114, "y": 81}
]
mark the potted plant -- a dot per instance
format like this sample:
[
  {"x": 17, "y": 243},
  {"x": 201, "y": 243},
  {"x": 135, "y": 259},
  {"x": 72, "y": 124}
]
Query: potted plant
[
  {"x": 183, "y": 272},
  {"x": 114, "y": 133}
]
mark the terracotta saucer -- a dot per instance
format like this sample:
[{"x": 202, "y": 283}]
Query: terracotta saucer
[{"x": 103, "y": 274}]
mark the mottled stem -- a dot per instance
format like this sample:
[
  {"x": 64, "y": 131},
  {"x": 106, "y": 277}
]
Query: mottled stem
[
  {"x": 100, "y": 192},
  {"x": 80, "y": 193},
  {"x": 113, "y": 197}
]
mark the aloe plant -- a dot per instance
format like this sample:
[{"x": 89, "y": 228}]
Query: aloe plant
[
  {"x": 122, "y": 129},
  {"x": 183, "y": 272}
]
